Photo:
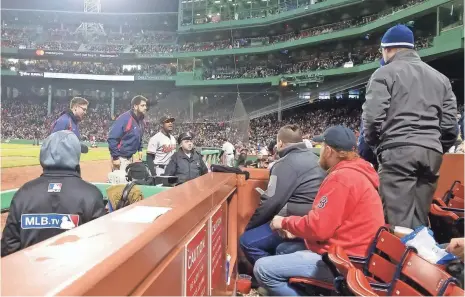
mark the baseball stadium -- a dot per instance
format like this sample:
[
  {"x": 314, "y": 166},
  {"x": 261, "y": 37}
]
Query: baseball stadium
[{"x": 232, "y": 147}]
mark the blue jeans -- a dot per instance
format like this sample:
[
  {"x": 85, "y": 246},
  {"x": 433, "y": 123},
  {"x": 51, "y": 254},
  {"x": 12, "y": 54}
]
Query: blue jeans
[
  {"x": 273, "y": 273},
  {"x": 262, "y": 242}
]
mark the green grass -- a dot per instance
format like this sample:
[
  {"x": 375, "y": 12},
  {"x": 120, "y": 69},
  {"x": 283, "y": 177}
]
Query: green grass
[{"x": 16, "y": 155}]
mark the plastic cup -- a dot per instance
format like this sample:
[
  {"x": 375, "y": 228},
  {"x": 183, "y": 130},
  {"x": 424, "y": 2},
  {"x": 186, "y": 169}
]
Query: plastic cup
[
  {"x": 402, "y": 231},
  {"x": 244, "y": 284}
]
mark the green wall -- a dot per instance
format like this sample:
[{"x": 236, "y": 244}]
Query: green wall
[{"x": 147, "y": 191}]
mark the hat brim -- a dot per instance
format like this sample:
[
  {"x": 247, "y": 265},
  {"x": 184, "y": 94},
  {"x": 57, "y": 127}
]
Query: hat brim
[
  {"x": 168, "y": 120},
  {"x": 186, "y": 138},
  {"x": 318, "y": 138}
]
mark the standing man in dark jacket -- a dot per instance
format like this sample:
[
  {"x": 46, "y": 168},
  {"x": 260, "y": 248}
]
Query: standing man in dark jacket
[
  {"x": 409, "y": 119},
  {"x": 57, "y": 201},
  {"x": 186, "y": 163},
  {"x": 125, "y": 137},
  {"x": 69, "y": 120},
  {"x": 294, "y": 181}
]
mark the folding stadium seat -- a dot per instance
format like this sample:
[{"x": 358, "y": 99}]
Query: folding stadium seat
[
  {"x": 418, "y": 277},
  {"x": 358, "y": 284},
  {"x": 446, "y": 223},
  {"x": 339, "y": 264},
  {"x": 453, "y": 290},
  {"x": 454, "y": 197},
  {"x": 415, "y": 276},
  {"x": 384, "y": 256},
  {"x": 342, "y": 264}
]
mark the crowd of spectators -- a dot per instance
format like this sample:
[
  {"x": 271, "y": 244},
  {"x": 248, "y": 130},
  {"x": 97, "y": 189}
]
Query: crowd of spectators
[
  {"x": 320, "y": 61},
  {"x": 313, "y": 120},
  {"x": 165, "y": 43},
  {"x": 208, "y": 134},
  {"x": 26, "y": 118},
  {"x": 284, "y": 6},
  {"x": 59, "y": 66},
  {"x": 258, "y": 69}
]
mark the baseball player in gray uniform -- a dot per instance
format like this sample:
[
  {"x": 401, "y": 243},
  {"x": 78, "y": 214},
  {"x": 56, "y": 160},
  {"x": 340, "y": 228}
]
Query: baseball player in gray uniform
[{"x": 161, "y": 147}]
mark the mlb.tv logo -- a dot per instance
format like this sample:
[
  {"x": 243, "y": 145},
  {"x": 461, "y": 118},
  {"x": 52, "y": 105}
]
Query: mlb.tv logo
[{"x": 49, "y": 221}]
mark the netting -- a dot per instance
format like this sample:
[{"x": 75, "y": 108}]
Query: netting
[{"x": 239, "y": 125}]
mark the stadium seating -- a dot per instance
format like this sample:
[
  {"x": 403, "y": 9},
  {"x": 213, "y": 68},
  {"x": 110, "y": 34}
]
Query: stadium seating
[
  {"x": 447, "y": 214},
  {"x": 446, "y": 223},
  {"x": 384, "y": 256},
  {"x": 358, "y": 283},
  {"x": 416, "y": 277},
  {"x": 384, "y": 271},
  {"x": 455, "y": 197}
]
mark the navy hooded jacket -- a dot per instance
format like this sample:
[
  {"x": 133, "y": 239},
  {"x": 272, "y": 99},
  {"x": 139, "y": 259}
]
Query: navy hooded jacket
[
  {"x": 66, "y": 121},
  {"x": 125, "y": 137}
]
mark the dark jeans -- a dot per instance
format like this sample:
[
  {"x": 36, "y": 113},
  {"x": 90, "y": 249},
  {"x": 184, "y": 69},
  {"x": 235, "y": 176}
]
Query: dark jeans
[
  {"x": 262, "y": 242},
  {"x": 408, "y": 178}
]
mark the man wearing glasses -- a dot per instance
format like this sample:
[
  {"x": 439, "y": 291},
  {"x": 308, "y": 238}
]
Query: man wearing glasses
[{"x": 70, "y": 119}]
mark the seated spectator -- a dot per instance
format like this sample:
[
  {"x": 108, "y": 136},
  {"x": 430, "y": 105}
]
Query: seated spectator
[
  {"x": 186, "y": 163},
  {"x": 294, "y": 182},
  {"x": 347, "y": 211},
  {"x": 61, "y": 198}
]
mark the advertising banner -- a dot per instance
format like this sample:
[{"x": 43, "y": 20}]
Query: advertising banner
[
  {"x": 153, "y": 77},
  {"x": 38, "y": 53},
  {"x": 31, "y": 74},
  {"x": 89, "y": 76}
]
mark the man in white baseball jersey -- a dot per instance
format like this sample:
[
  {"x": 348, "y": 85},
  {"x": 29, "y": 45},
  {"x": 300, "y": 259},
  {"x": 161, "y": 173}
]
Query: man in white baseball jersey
[
  {"x": 228, "y": 151},
  {"x": 161, "y": 147}
]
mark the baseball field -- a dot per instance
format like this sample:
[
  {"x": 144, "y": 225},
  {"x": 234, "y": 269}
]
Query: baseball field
[
  {"x": 17, "y": 155},
  {"x": 20, "y": 163}
]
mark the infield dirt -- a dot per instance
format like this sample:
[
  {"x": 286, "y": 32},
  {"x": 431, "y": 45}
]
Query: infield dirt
[{"x": 15, "y": 177}]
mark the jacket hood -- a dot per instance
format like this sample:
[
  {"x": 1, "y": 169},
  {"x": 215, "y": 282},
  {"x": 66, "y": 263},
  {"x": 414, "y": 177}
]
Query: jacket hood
[
  {"x": 60, "y": 150},
  {"x": 361, "y": 166},
  {"x": 293, "y": 147}
]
